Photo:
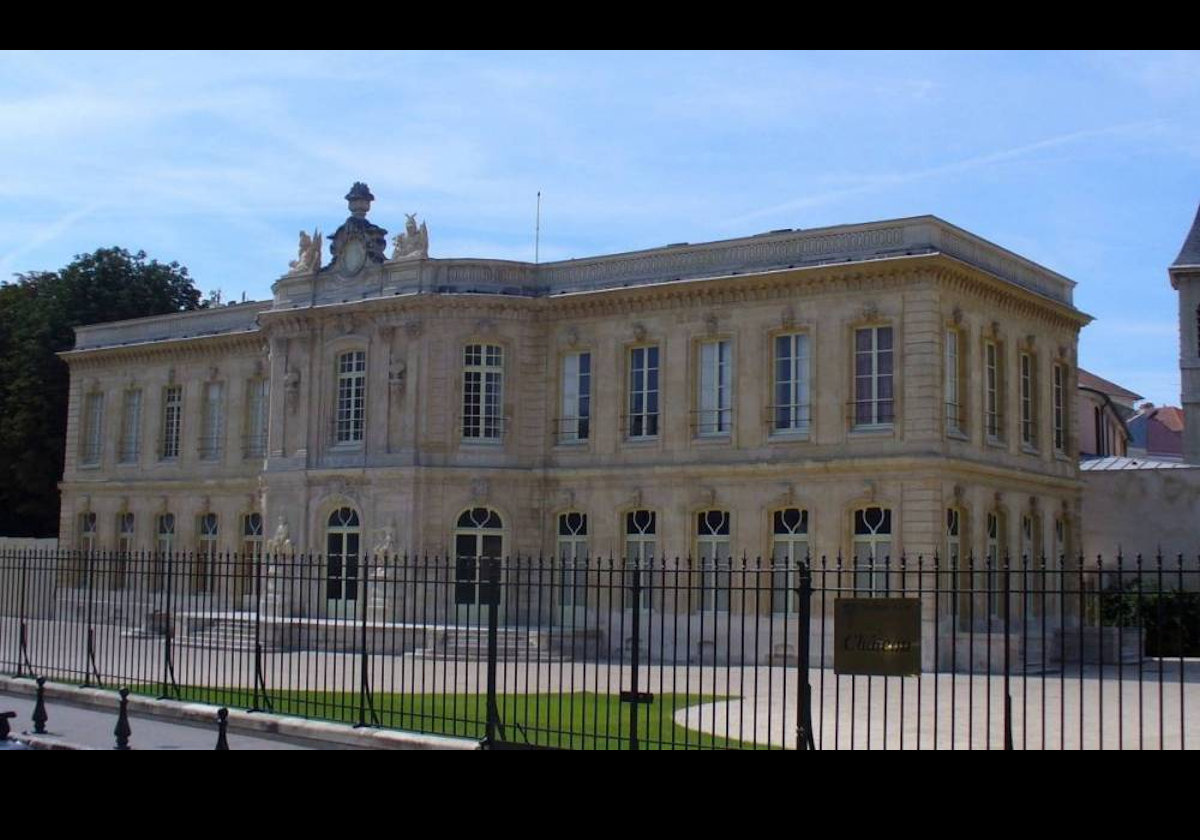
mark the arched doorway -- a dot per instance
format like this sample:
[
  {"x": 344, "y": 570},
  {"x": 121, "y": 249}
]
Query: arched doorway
[
  {"x": 343, "y": 534},
  {"x": 478, "y": 535}
]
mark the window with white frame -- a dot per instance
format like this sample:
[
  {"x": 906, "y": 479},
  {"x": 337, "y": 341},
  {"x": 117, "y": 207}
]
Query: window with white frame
[
  {"x": 1060, "y": 417},
  {"x": 792, "y": 410},
  {"x": 988, "y": 578},
  {"x": 478, "y": 535},
  {"x": 993, "y": 390},
  {"x": 789, "y": 548},
  {"x": 1031, "y": 555},
  {"x": 255, "y": 445},
  {"x": 874, "y": 403},
  {"x": 1029, "y": 547},
  {"x": 87, "y": 531},
  {"x": 575, "y": 420},
  {"x": 640, "y": 547},
  {"x": 712, "y": 553},
  {"x": 93, "y": 429},
  {"x": 172, "y": 420},
  {"x": 351, "y": 411},
  {"x": 130, "y": 447},
  {"x": 483, "y": 392},
  {"x": 954, "y": 376},
  {"x": 953, "y": 538},
  {"x": 204, "y": 568},
  {"x": 572, "y": 558},
  {"x": 1029, "y": 401},
  {"x": 125, "y": 546},
  {"x": 212, "y": 421},
  {"x": 1061, "y": 549},
  {"x": 643, "y": 393},
  {"x": 343, "y": 534},
  {"x": 872, "y": 549},
  {"x": 714, "y": 392},
  {"x": 125, "y": 533},
  {"x": 252, "y": 536},
  {"x": 165, "y": 533}
]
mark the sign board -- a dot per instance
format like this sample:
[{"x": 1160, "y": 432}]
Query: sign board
[{"x": 877, "y": 636}]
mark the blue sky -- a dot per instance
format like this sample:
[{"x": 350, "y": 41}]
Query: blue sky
[{"x": 1088, "y": 163}]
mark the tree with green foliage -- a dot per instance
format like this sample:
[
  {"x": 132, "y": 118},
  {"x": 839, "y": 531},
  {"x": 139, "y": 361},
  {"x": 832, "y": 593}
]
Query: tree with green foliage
[{"x": 38, "y": 315}]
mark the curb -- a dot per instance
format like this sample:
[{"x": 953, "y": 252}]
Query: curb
[{"x": 246, "y": 723}]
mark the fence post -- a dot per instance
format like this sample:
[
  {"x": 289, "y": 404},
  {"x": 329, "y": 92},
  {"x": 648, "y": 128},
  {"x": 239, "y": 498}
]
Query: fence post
[
  {"x": 1008, "y": 735},
  {"x": 39, "y": 708},
  {"x": 222, "y": 726},
  {"x": 122, "y": 730},
  {"x": 491, "y": 571},
  {"x": 23, "y": 654},
  {"x": 89, "y": 591},
  {"x": 365, "y": 700},
  {"x": 258, "y": 672},
  {"x": 804, "y": 733},
  {"x": 168, "y": 674},
  {"x": 635, "y": 656}
]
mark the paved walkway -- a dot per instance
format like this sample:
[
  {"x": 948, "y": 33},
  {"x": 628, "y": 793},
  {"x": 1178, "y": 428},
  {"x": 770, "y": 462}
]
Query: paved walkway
[{"x": 72, "y": 726}]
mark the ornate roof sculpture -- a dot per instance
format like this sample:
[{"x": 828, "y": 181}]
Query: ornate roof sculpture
[{"x": 358, "y": 241}]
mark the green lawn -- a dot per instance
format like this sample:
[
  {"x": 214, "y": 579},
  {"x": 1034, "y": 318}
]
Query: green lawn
[{"x": 577, "y": 721}]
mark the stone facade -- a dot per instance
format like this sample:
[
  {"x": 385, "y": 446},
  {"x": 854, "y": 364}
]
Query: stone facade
[{"x": 414, "y": 390}]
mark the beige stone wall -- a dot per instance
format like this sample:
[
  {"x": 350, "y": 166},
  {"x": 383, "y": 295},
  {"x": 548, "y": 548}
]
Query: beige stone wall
[
  {"x": 1143, "y": 512},
  {"x": 415, "y": 473}
]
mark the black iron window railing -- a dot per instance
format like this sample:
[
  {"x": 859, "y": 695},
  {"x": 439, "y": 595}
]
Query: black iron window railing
[{"x": 1027, "y": 653}]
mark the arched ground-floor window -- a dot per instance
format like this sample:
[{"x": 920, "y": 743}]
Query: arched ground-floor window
[
  {"x": 478, "y": 535},
  {"x": 343, "y": 535}
]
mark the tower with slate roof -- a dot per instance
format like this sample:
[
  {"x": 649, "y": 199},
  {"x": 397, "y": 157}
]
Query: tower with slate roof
[{"x": 1185, "y": 279}]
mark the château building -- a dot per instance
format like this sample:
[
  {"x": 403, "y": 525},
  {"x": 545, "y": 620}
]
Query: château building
[{"x": 866, "y": 390}]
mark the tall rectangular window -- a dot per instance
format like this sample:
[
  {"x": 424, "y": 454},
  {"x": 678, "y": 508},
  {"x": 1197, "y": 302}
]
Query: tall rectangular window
[
  {"x": 93, "y": 428},
  {"x": 1060, "y": 418},
  {"x": 172, "y": 418},
  {"x": 792, "y": 411},
  {"x": 256, "y": 419},
  {"x": 350, "y": 420},
  {"x": 131, "y": 427},
  {"x": 993, "y": 391},
  {"x": 483, "y": 392},
  {"x": 574, "y": 424},
  {"x": 1029, "y": 403},
  {"x": 873, "y": 397},
  {"x": 643, "y": 392},
  {"x": 212, "y": 421},
  {"x": 953, "y": 385},
  {"x": 715, "y": 415}
]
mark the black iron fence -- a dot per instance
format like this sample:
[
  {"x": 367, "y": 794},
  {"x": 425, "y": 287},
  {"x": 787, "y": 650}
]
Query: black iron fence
[{"x": 603, "y": 654}]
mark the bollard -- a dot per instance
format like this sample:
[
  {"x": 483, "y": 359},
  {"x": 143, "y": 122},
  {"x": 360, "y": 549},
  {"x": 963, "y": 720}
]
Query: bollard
[
  {"x": 39, "y": 708},
  {"x": 123, "y": 731},
  {"x": 4, "y": 719},
  {"x": 222, "y": 723}
]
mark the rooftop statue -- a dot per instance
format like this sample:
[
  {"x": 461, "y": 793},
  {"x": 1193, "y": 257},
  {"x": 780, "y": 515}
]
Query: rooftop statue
[
  {"x": 309, "y": 256},
  {"x": 413, "y": 243}
]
